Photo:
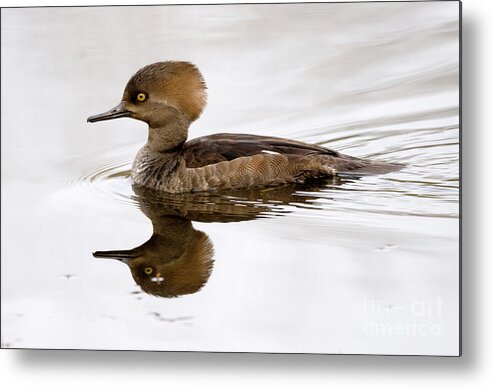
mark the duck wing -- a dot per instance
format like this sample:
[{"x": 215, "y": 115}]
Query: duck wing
[
  {"x": 225, "y": 147},
  {"x": 222, "y": 147}
]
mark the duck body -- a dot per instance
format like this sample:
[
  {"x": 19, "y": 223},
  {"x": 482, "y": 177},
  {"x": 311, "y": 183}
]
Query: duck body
[
  {"x": 234, "y": 161},
  {"x": 169, "y": 96}
]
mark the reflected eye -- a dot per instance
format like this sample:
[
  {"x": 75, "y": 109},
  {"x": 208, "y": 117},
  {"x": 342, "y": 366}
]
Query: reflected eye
[
  {"x": 141, "y": 97},
  {"x": 148, "y": 270}
]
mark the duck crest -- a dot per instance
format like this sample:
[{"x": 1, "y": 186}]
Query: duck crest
[{"x": 179, "y": 84}]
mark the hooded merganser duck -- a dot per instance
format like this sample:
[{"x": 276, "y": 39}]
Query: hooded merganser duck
[{"x": 169, "y": 96}]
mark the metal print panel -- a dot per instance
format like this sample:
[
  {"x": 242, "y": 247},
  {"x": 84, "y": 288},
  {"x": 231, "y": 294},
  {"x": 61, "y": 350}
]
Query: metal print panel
[{"x": 232, "y": 178}]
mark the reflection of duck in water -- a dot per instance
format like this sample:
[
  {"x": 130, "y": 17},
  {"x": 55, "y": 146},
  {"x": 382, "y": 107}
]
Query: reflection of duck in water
[
  {"x": 169, "y": 96},
  {"x": 177, "y": 259}
]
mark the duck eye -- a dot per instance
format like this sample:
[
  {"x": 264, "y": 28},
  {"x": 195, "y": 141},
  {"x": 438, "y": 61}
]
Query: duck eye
[
  {"x": 141, "y": 97},
  {"x": 148, "y": 270}
]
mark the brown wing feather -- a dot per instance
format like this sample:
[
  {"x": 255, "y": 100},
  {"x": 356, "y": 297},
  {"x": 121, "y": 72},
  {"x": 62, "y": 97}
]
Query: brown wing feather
[
  {"x": 222, "y": 147},
  {"x": 217, "y": 148}
]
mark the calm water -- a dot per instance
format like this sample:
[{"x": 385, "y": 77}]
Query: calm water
[{"x": 365, "y": 265}]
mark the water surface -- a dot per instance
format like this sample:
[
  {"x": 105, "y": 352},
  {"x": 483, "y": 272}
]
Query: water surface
[{"x": 347, "y": 265}]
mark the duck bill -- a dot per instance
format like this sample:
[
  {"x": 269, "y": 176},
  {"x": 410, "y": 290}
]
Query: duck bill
[
  {"x": 125, "y": 256},
  {"x": 115, "y": 113}
]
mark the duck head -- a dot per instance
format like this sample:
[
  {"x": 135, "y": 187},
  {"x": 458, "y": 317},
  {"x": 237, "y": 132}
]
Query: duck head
[
  {"x": 168, "y": 96},
  {"x": 168, "y": 266}
]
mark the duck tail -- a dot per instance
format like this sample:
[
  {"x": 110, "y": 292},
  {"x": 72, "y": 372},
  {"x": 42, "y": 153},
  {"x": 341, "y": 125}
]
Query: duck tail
[{"x": 369, "y": 167}]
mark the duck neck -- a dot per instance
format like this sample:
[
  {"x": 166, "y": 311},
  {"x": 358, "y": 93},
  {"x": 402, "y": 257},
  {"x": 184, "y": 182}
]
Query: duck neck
[
  {"x": 169, "y": 136},
  {"x": 171, "y": 237}
]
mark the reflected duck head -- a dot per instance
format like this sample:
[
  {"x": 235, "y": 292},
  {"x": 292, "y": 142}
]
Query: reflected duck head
[
  {"x": 168, "y": 271},
  {"x": 159, "y": 93}
]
